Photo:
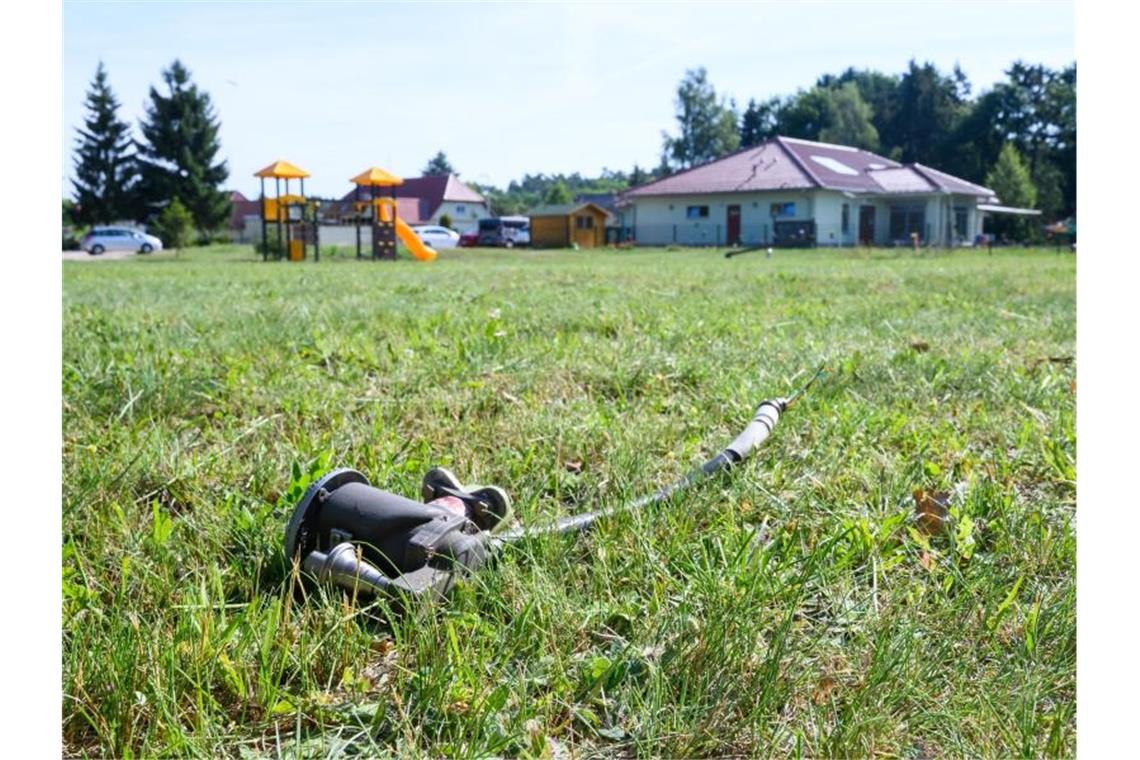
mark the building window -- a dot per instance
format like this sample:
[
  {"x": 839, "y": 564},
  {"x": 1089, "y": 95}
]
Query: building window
[
  {"x": 845, "y": 224},
  {"x": 906, "y": 220},
  {"x": 461, "y": 209},
  {"x": 783, "y": 210},
  {"x": 696, "y": 212},
  {"x": 580, "y": 222}
]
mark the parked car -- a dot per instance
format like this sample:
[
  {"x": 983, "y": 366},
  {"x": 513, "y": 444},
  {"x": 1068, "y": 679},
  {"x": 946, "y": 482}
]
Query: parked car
[
  {"x": 507, "y": 231},
  {"x": 469, "y": 239},
  {"x": 102, "y": 239},
  {"x": 437, "y": 237}
]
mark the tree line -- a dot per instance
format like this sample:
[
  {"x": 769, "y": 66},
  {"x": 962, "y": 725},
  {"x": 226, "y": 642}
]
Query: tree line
[
  {"x": 1019, "y": 138},
  {"x": 171, "y": 178}
]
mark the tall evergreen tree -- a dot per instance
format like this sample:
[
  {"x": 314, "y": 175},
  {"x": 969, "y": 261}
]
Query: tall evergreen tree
[
  {"x": 707, "y": 123},
  {"x": 929, "y": 109},
  {"x": 439, "y": 165},
  {"x": 104, "y": 166},
  {"x": 177, "y": 158}
]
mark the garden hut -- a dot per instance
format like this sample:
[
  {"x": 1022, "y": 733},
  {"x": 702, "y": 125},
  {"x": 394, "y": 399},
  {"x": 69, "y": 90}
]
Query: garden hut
[{"x": 582, "y": 224}]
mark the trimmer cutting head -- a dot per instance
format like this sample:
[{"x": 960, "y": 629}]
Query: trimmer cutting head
[{"x": 370, "y": 540}]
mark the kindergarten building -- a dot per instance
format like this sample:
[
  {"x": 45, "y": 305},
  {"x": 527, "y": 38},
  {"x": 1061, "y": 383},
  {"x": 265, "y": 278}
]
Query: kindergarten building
[{"x": 791, "y": 192}]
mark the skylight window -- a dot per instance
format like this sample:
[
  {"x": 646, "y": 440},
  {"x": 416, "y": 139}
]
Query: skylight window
[{"x": 834, "y": 165}]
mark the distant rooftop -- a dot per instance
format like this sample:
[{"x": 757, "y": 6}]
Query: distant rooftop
[{"x": 787, "y": 163}]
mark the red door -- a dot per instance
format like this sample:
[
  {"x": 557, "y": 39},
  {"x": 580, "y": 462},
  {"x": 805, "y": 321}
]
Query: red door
[{"x": 732, "y": 223}]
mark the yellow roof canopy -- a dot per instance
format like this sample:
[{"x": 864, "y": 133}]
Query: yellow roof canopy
[
  {"x": 282, "y": 170},
  {"x": 376, "y": 177}
]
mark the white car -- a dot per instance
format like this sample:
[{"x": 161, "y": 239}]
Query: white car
[
  {"x": 437, "y": 237},
  {"x": 102, "y": 239}
]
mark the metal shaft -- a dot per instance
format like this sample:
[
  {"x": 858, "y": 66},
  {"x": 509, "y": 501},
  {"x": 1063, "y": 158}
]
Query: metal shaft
[{"x": 757, "y": 431}]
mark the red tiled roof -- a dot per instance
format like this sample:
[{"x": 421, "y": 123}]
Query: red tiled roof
[
  {"x": 785, "y": 163},
  {"x": 423, "y": 195}
]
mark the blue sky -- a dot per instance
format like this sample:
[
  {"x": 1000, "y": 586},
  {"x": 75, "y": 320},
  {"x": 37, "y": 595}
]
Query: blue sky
[{"x": 506, "y": 89}]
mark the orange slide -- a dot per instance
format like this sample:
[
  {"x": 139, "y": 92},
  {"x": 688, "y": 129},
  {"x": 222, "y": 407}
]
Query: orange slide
[{"x": 409, "y": 238}]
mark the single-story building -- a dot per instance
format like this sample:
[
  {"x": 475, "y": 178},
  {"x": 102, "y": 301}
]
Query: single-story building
[
  {"x": 564, "y": 225},
  {"x": 424, "y": 200},
  {"x": 792, "y": 192},
  {"x": 245, "y": 218}
]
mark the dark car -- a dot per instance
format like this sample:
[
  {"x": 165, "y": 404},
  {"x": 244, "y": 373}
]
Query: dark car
[{"x": 469, "y": 239}]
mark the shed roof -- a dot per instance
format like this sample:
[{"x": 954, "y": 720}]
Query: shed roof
[
  {"x": 564, "y": 209},
  {"x": 787, "y": 163},
  {"x": 282, "y": 170}
]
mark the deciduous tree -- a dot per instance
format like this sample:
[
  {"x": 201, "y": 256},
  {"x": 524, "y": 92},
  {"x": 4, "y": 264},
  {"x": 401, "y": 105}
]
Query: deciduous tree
[{"x": 706, "y": 122}]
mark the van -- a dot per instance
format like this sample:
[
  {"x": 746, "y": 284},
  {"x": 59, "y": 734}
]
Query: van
[{"x": 506, "y": 231}]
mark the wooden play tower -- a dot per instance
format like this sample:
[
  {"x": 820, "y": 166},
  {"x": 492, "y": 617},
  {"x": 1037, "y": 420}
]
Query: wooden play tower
[{"x": 295, "y": 221}]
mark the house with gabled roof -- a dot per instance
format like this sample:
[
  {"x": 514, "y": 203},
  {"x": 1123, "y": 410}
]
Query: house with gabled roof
[
  {"x": 424, "y": 200},
  {"x": 792, "y": 192}
]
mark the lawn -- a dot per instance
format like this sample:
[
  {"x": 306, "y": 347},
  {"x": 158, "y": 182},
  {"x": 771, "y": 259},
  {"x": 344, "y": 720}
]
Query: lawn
[{"x": 790, "y": 607}]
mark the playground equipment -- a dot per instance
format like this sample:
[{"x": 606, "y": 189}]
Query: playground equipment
[
  {"x": 370, "y": 541},
  {"x": 294, "y": 217},
  {"x": 381, "y": 211}
]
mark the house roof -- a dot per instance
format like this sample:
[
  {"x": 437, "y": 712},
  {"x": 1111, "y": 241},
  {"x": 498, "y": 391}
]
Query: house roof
[
  {"x": 564, "y": 209},
  {"x": 606, "y": 200},
  {"x": 424, "y": 195},
  {"x": 786, "y": 163}
]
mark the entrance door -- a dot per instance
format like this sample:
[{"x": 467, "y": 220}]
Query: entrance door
[
  {"x": 866, "y": 225},
  {"x": 732, "y": 224}
]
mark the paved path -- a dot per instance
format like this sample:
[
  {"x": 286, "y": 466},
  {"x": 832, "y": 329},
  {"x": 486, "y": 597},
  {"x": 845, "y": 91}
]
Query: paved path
[{"x": 105, "y": 256}]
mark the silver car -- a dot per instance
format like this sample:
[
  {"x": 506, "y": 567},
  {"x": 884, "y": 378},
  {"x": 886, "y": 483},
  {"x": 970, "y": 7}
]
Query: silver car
[
  {"x": 102, "y": 239},
  {"x": 437, "y": 237}
]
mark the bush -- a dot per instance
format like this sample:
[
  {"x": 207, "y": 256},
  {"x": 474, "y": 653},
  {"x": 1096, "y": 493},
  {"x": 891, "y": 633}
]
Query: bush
[
  {"x": 269, "y": 244},
  {"x": 174, "y": 225},
  {"x": 445, "y": 221}
]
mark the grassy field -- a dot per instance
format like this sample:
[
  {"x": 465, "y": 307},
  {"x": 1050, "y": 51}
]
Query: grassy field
[{"x": 791, "y": 607}]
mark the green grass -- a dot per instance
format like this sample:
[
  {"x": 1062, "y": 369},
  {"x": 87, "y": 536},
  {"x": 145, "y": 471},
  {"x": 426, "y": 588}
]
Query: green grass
[{"x": 786, "y": 608}]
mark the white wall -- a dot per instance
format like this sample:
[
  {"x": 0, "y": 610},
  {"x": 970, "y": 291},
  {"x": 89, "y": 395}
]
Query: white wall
[
  {"x": 465, "y": 220},
  {"x": 661, "y": 221}
]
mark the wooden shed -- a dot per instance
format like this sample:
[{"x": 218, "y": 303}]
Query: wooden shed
[{"x": 563, "y": 226}]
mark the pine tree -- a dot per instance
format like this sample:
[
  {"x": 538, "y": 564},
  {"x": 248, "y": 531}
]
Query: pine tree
[
  {"x": 758, "y": 122},
  {"x": 177, "y": 159},
  {"x": 439, "y": 165},
  {"x": 104, "y": 165}
]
